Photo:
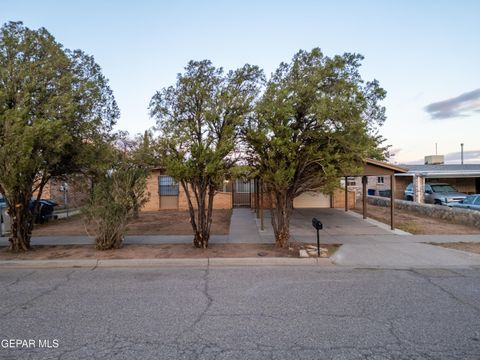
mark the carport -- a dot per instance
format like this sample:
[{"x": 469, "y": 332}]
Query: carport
[
  {"x": 369, "y": 167},
  {"x": 376, "y": 168}
]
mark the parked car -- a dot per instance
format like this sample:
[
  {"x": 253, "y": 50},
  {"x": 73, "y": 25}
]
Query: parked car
[
  {"x": 3, "y": 205},
  {"x": 437, "y": 193},
  {"x": 470, "y": 202}
]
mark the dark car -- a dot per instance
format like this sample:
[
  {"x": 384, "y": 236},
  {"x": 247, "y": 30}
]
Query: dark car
[
  {"x": 437, "y": 193},
  {"x": 470, "y": 202}
]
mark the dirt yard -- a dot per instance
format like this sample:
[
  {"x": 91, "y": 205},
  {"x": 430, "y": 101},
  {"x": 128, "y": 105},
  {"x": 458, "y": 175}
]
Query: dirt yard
[
  {"x": 470, "y": 247},
  {"x": 70, "y": 252},
  {"x": 416, "y": 224},
  {"x": 165, "y": 222}
]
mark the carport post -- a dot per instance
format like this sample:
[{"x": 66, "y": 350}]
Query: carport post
[
  {"x": 392, "y": 202},
  {"x": 261, "y": 205},
  {"x": 364, "y": 188},
  {"x": 346, "y": 193},
  {"x": 257, "y": 197}
]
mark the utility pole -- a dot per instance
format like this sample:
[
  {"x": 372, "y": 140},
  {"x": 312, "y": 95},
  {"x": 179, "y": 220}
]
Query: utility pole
[{"x": 461, "y": 152}]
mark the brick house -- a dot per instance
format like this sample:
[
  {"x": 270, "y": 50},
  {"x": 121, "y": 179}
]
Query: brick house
[
  {"x": 75, "y": 192},
  {"x": 166, "y": 194}
]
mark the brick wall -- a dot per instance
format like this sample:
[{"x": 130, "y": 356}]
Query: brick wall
[
  {"x": 401, "y": 183},
  {"x": 222, "y": 200},
  {"x": 153, "y": 202},
  {"x": 373, "y": 183},
  {"x": 78, "y": 191}
]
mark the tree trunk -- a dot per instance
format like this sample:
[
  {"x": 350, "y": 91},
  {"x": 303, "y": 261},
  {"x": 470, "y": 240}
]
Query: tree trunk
[
  {"x": 281, "y": 219},
  {"x": 21, "y": 224},
  {"x": 201, "y": 217},
  {"x": 135, "y": 210},
  {"x": 201, "y": 240}
]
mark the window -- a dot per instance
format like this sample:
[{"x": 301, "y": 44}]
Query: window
[
  {"x": 351, "y": 181},
  {"x": 380, "y": 180},
  {"x": 443, "y": 188},
  {"x": 477, "y": 201},
  {"x": 167, "y": 186},
  {"x": 469, "y": 200}
]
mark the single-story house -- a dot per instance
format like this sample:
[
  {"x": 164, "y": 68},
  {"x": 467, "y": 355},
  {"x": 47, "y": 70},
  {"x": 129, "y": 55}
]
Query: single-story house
[
  {"x": 73, "y": 193},
  {"x": 165, "y": 193}
]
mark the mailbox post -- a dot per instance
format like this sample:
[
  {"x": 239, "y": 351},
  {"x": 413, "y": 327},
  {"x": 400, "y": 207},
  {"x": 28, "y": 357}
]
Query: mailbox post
[{"x": 317, "y": 224}]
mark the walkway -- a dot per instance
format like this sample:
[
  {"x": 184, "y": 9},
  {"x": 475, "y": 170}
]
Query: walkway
[{"x": 243, "y": 228}]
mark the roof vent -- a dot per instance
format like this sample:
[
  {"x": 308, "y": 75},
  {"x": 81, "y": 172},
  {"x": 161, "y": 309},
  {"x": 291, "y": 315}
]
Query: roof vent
[{"x": 434, "y": 160}]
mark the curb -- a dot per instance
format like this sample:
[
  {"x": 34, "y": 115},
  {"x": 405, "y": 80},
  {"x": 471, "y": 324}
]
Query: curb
[
  {"x": 45, "y": 264},
  {"x": 145, "y": 263}
]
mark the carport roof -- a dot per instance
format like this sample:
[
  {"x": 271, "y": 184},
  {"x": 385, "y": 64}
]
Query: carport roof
[
  {"x": 373, "y": 167},
  {"x": 445, "y": 170}
]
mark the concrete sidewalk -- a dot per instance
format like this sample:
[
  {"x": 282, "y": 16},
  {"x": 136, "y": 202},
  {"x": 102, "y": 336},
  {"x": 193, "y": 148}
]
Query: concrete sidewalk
[
  {"x": 402, "y": 255},
  {"x": 129, "y": 239}
]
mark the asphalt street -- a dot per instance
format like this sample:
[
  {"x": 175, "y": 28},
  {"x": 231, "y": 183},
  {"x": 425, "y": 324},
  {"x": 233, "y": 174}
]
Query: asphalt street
[{"x": 240, "y": 313}]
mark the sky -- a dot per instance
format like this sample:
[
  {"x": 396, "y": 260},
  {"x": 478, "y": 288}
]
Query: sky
[{"x": 426, "y": 54}]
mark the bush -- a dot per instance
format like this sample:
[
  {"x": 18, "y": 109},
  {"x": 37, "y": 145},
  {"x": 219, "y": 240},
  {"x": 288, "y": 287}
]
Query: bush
[{"x": 115, "y": 199}]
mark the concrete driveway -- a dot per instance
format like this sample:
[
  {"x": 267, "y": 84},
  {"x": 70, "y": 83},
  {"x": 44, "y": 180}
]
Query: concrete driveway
[
  {"x": 368, "y": 243},
  {"x": 337, "y": 224}
]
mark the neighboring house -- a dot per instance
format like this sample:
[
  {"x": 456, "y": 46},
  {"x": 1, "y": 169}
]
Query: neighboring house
[
  {"x": 465, "y": 178},
  {"x": 74, "y": 193},
  {"x": 376, "y": 185}
]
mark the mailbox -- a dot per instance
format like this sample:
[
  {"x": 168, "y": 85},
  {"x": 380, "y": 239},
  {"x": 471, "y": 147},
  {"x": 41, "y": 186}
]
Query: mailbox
[{"x": 317, "y": 224}]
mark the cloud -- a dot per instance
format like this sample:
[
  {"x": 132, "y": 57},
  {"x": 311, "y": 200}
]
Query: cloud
[
  {"x": 459, "y": 106},
  {"x": 470, "y": 156}
]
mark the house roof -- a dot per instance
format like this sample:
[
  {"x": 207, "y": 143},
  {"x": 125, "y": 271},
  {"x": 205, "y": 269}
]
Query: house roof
[
  {"x": 380, "y": 164},
  {"x": 443, "y": 170},
  {"x": 373, "y": 167}
]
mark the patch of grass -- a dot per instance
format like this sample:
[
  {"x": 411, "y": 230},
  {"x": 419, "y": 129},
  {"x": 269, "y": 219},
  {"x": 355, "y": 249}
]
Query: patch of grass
[{"x": 409, "y": 227}]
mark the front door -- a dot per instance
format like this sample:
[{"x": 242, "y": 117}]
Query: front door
[{"x": 242, "y": 193}]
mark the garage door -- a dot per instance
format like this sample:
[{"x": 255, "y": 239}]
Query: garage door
[{"x": 311, "y": 200}]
